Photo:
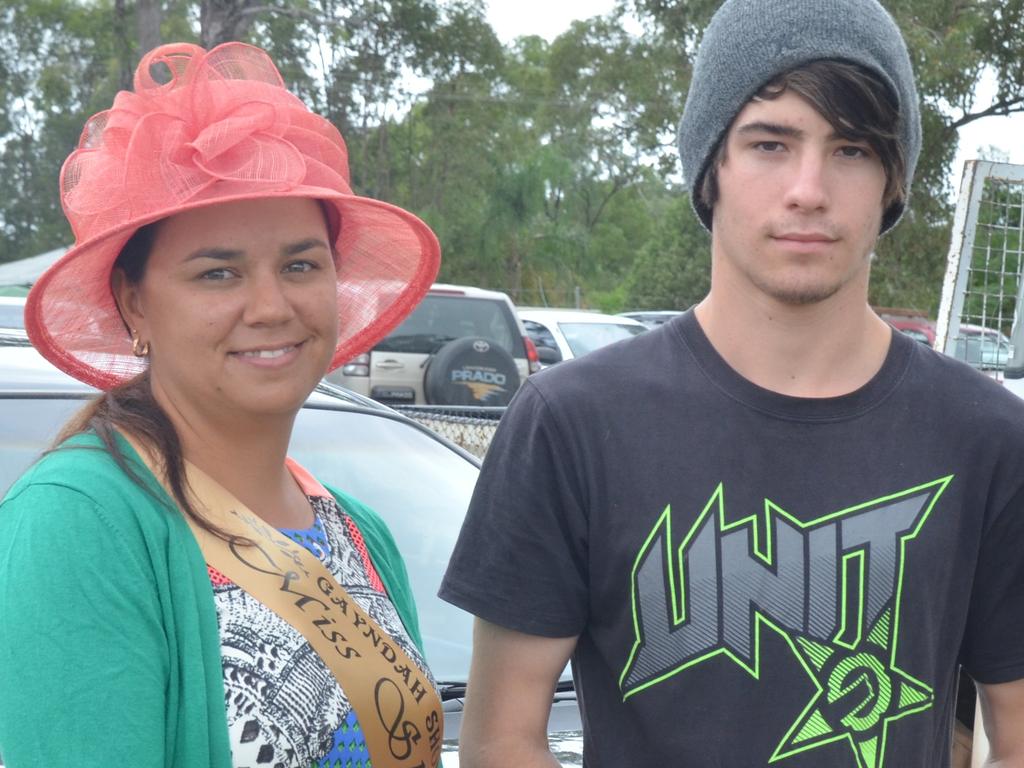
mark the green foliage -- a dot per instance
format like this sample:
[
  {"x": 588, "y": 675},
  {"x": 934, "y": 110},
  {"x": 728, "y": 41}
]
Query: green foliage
[
  {"x": 673, "y": 268},
  {"x": 55, "y": 69},
  {"x": 546, "y": 169}
]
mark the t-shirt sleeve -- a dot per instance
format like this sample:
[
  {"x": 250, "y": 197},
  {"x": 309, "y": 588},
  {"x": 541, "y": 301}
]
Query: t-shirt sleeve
[
  {"x": 992, "y": 650},
  {"x": 521, "y": 557},
  {"x": 83, "y": 656}
]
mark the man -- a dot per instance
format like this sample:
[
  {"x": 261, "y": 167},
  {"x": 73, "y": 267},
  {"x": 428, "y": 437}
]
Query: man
[{"x": 769, "y": 531}]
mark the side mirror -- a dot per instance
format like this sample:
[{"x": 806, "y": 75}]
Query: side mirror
[{"x": 548, "y": 355}]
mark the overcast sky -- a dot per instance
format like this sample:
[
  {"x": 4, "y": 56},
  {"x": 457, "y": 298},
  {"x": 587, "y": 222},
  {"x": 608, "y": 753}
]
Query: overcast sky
[{"x": 549, "y": 18}]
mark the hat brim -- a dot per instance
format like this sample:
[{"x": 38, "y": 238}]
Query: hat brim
[{"x": 387, "y": 260}]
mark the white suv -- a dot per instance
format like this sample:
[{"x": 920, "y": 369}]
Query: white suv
[{"x": 460, "y": 346}]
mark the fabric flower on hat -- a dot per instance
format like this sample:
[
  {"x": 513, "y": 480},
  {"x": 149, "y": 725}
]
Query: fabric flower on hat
[
  {"x": 165, "y": 144},
  {"x": 221, "y": 127}
]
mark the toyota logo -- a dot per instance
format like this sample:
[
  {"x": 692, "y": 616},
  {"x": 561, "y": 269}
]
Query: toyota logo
[{"x": 481, "y": 346}]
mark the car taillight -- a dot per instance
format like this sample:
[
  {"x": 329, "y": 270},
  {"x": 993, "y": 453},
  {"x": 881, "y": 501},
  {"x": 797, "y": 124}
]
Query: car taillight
[
  {"x": 531, "y": 354},
  {"x": 357, "y": 366}
]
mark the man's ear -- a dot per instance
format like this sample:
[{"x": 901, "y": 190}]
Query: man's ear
[{"x": 129, "y": 302}]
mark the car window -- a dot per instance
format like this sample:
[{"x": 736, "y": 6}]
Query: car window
[
  {"x": 12, "y": 315},
  {"x": 969, "y": 350},
  {"x": 586, "y": 337},
  {"x": 356, "y": 452},
  {"x": 539, "y": 334},
  {"x": 440, "y": 319},
  {"x": 26, "y": 427}
]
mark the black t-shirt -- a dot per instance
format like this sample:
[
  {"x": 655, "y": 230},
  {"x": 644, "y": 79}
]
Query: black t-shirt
[{"x": 756, "y": 578}]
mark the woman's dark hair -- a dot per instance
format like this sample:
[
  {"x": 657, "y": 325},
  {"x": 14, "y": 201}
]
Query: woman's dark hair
[
  {"x": 854, "y": 101},
  {"x": 132, "y": 407}
]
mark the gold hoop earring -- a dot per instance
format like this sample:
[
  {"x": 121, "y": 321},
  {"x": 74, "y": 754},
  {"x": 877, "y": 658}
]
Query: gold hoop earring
[{"x": 137, "y": 350}]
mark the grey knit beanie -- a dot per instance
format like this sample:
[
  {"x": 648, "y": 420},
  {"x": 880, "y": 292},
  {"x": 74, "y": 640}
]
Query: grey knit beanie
[{"x": 750, "y": 42}]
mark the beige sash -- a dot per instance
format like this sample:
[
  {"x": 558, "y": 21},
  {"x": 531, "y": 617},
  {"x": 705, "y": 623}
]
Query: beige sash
[{"x": 398, "y": 709}]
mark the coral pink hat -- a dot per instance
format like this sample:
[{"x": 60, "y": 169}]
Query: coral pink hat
[{"x": 223, "y": 128}]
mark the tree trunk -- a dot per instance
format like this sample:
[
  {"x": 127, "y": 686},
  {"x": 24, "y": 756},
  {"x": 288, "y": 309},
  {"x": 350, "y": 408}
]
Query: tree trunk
[
  {"x": 147, "y": 25},
  {"x": 125, "y": 57},
  {"x": 221, "y": 21}
]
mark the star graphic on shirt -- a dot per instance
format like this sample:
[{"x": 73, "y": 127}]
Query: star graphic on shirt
[{"x": 860, "y": 694}]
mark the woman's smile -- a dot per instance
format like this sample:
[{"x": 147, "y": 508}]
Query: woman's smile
[{"x": 270, "y": 356}]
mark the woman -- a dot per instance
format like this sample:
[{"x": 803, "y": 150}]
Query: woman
[{"x": 157, "y": 607}]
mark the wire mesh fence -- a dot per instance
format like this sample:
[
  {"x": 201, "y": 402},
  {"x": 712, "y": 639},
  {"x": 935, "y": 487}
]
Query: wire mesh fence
[
  {"x": 983, "y": 285},
  {"x": 470, "y": 428}
]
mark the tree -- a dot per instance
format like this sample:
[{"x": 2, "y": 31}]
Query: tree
[
  {"x": 544, "y": 168},
  {"x": 58, "y": 64},
  {"x": 673, "y": 269}
]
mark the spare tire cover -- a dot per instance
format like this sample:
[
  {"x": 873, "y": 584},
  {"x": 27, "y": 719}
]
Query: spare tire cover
[{"x": 471, "y": 371}]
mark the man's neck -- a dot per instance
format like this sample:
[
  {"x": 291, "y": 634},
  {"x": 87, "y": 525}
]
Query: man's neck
[{"x": 826, "y": 349}]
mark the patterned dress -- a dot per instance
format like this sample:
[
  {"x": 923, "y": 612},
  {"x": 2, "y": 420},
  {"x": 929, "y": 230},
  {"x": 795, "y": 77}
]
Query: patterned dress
[{"x": 284, "y": 707}]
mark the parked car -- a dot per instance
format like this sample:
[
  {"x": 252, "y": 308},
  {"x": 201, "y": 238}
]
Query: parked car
[
  {"x": 984, "y": 348},
  {"x": 919, "y": 330},
  {"x": 562, "y": 334},
  {"x": 417, "y": 481},
  {"x": 652, "y": 318},
  {"x": 460, "y": 346},
  {"x": 911, "y": 322}
]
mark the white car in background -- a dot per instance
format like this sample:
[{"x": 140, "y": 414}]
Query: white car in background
[
  {"x": 984, "y": 348},
  {"x": 652, "y": 318},
  {"x": 562, "y": 334}
]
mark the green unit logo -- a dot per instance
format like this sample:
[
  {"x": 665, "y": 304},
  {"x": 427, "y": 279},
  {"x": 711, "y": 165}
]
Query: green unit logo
[{"x": 831, "y": 588}]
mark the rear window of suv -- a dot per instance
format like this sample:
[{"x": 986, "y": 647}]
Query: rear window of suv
[{"x": 440, "y": 319}]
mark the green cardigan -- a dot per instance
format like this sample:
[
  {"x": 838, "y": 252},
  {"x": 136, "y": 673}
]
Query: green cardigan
[{"x": 109, "y": 646}]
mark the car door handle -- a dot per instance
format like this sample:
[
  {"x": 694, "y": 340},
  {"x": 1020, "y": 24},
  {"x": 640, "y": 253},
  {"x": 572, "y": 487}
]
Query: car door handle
[{"x": 389, "y": 365}]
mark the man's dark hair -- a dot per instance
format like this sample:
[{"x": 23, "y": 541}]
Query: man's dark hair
[{"x": 855, "y": 102}]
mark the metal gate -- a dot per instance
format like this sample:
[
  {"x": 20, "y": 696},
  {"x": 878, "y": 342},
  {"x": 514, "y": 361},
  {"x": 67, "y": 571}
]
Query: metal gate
[{"x": 979, "y": 317}]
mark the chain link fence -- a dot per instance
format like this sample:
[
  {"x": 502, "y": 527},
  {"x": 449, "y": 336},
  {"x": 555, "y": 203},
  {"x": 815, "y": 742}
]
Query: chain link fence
[
  {"x": 985, "y": 269},
  {"x": 470, "y": 428}
]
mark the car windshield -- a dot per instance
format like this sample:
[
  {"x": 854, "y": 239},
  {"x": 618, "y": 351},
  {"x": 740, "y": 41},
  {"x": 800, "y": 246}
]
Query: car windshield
[
  {"x": 417, "y": 484},
  {"x": 439, "y": 319},
  {"x": 586, "y": 337}
]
